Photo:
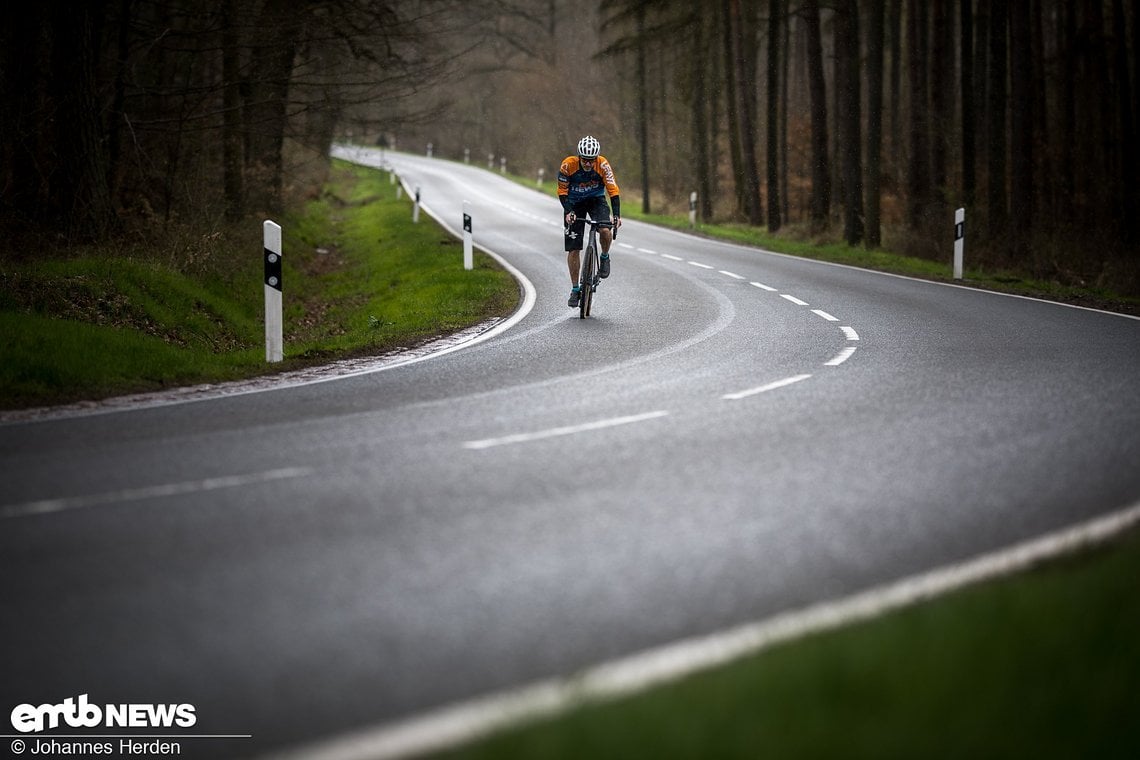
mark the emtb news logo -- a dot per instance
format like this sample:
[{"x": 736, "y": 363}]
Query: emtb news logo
[{"x": 77, "y": 712}]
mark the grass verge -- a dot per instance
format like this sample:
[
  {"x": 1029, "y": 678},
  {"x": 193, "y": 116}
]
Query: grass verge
[
  {"x": 360, "y": 278},
  {"x": 1044, "y": 664}
]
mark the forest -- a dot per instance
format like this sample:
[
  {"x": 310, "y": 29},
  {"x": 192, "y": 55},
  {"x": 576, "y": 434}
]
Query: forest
[{"x": 866, "y": 120}]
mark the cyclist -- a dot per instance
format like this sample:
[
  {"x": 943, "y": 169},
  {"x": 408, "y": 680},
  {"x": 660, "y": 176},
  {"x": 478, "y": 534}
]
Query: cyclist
[{"x": 584, "y": 180}]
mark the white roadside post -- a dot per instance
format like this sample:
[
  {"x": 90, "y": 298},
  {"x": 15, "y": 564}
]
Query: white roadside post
[
  {"x": 274, "y": 343},
  {"x": 693, "y": 209},
  {"x": 490, "y": 160},
  {"x": 503, "y": 165},
  {"x": 466, "y": 155},
  {"x": 541, "y": 174},
  {"x": 430, "y": 148},
  {"x": 416, "y": 207},
  {"x": 959, "y": 241},
  {"x": 468, "y": 256}
]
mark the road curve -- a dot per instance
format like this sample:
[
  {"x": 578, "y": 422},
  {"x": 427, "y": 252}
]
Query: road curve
[{"x": 733, "y": 434}]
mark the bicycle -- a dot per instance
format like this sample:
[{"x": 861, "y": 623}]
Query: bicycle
[{"x": 588, "y": 275}]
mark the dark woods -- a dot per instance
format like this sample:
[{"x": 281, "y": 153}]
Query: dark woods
[
  {"x": 875, "y": 118},
  {"x": 895, "y": 112},
  {"x": 144, "y": 112}
]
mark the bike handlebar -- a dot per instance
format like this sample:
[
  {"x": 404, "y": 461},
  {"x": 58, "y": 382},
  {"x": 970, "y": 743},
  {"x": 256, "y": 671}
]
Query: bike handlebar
[{"x": 595, "y": 224}]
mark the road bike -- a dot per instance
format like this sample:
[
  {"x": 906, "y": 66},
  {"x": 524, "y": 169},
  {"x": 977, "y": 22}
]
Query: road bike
[{"x": 588, "y": 276}]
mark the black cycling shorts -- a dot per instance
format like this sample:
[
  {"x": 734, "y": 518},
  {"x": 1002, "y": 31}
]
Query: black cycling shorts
[{"x": 598, "y": 209}]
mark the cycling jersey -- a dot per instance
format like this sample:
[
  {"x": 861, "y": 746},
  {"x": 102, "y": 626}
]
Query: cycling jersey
[{"x": 576, "y": 184}]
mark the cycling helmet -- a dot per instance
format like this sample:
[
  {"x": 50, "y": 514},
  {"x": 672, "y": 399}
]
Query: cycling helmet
[{"x": 589, "y": 147}]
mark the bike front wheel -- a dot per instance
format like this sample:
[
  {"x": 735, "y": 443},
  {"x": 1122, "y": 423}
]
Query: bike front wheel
[{"x": 587, "y": 281}]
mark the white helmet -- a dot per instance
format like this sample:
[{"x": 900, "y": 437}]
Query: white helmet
[{"x": 589, "y": 147}]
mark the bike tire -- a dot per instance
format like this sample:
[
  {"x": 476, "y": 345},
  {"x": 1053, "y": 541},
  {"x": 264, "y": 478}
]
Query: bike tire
[{"x": 586, "y": 282}]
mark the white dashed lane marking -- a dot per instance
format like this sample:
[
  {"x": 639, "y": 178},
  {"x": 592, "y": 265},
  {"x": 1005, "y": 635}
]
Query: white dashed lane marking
[
  {"x": 764, "y": 388},
  {"x": 841, "y": 357},
  {"x": 539, "y": 435}
]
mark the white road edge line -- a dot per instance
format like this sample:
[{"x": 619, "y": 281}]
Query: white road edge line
[
  {"x": 460, "y": 723},
  {"x": 505, "y": 440},
  {"x": 733, "y": 275},
  {"x": 699, "y": 264},
  {"x": 841, "y": 357},
  {"x": 764, "y": 388},
  {"x": 825, "y": 315},
  {"x": 670, "y": 257},
  {"x": 762, "y": 286},
  {"x": 850, "y": 333},
  {"x": 150, "y": 492},
  {"x": 793, "y": 299}
]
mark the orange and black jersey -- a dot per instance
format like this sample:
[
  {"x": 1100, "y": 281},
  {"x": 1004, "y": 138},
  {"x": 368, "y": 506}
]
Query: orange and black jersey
[{"x": 576, "y": 183}]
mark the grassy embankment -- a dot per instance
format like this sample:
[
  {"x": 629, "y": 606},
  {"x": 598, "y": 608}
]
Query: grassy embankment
[
  {"x": 1045, "y": 664},
  {"x": 108, "y": 322}
]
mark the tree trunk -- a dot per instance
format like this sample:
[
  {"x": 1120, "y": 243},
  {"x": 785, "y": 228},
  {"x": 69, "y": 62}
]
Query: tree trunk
[
  {"x": 744, "y": 46},
  {"x": 700, "y": 115},
  {"x": 732, "y": 106},
  {"x": 894, "y": 22},
  {"x": 918, "y": 168},
  {"x": 966, "y": 57},
  {"x": 1021, "y": 122},
  {"x": 1067, "y": 104},
  {"x": 941, "y": 86},
  {"x": 996, "y": 213},
  {"x": 232, "y": 161},
  {"x": 82, "y": 194},
  {"x": 849, "y": 119},
  {"x": 875, "y": 34},
  {"x": 279, "y": 28},
  {"x": 1130, "y": 168},
  {"x": 642, "y": 110},
  {"x": 820, "y": 200},
  {"x": 785, "y": 65},
  {"x": 773, "y": 122}
]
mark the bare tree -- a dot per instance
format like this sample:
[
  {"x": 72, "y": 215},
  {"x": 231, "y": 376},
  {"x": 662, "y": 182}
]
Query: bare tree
[
  {"x": 850, "y": 118},
  {"x": 966, "y": 85},
  {"x": 1021, "y": 135},
  {"x": 741, "y": 44},
  {"x": 875, "y": 34},
  {"x": 996, "y": 212},
  {"x": 820, "y": 201},
  {"x": 773, "y": 121}
]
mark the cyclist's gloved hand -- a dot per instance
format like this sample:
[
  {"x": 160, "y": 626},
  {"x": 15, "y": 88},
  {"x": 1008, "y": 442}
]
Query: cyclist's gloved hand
[
  {"x": 617, "y": 222},
  {"x": 570, "y": 217}
]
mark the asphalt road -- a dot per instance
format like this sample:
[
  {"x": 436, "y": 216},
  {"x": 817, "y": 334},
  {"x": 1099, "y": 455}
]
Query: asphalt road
[{"x": 733, "y": 434}]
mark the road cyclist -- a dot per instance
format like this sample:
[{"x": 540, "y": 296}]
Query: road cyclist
[{"x": 585, "y": 179}]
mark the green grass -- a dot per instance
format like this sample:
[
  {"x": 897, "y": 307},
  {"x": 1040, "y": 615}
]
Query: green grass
[
  {"x": 105, "y": 323},
  {"x": 1045, "y": 664}
]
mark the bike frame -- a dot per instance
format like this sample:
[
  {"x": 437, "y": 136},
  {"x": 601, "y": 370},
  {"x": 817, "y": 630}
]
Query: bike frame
[{"x": 588, "y": 273}]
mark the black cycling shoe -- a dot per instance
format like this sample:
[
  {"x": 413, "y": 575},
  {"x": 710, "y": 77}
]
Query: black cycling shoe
[
  {"x": 574, "y": 296},
  {"x": 604, "y": 272}
]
